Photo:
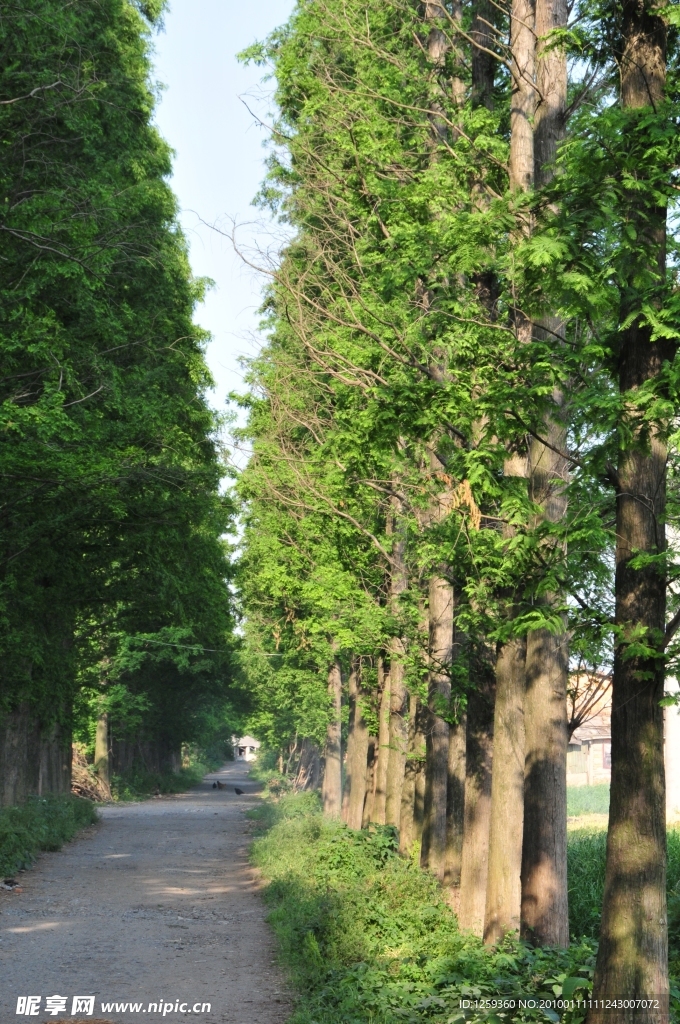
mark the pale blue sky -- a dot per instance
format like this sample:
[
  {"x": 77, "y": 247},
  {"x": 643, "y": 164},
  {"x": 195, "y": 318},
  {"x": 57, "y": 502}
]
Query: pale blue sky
[{"x": 219, "y": 160}]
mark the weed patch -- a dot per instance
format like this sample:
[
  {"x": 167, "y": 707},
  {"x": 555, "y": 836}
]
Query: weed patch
[
  {"x": 587, "y": 800},
  {"x": 44, "y": 823}
]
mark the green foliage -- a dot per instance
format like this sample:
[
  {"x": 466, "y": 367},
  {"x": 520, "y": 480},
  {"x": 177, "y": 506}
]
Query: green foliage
[
  {"x": 44, "y": 823},
  {"x": 138, "y": 783},
  {"x": 587, "y": 800},
  {"x": 115, "y": 571}
]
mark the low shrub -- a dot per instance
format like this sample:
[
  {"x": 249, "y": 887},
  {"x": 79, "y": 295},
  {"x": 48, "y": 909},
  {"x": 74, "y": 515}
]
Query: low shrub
[
  {"x": 44, "y": 823},
  {"x": 587, "y": 800}
]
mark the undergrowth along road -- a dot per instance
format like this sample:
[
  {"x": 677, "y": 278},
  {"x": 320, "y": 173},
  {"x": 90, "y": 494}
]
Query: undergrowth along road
[{"x": 366, "y": 936}]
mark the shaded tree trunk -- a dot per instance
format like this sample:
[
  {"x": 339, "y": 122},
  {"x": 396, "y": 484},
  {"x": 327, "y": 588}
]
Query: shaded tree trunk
[
  {"x": 632, "y": 959},
  {"x": 349, "y": 747},
  {"x": 479, "y": 753},
  {"x": 56, "y": 755},
  {"x": 455, "y": 801},
  {"x": 503, "y": 891},
  {"x": 383, "y": 749},
  {"x": 19, "y": 756},
  {"x": 331, "y": 793},
  {"x": 370, "y": 781},
  {"x": 408, "y": 829},
  {"x": 433, "y": 849}
]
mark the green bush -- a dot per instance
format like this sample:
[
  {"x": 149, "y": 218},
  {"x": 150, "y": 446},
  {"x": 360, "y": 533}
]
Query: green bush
[
  {"x": 587, "y": 800},
  {"x": 44, "y": 823}
]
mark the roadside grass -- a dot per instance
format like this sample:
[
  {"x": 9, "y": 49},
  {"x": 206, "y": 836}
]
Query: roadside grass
[
  {"x": 587, "y": 800},
  {"x": 367, "y": 937},
  {"x": 44, "y": 823}
]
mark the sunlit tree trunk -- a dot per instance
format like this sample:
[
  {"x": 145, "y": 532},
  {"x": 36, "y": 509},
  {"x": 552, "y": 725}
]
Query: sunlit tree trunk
[
  {"x": 433, "y": 850},
  {"x": 101, "y": 751},
  {"x": 355, "y": 777},
  {"x": 545, "y": 912},
  {"x": 507, "y": 795},
  {"x": 632, "y": 960},
  {"x": 331, "y": 792}
]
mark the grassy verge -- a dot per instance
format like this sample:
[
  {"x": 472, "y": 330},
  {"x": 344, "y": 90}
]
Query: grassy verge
[
  {"x": 44, "y": 823},
  {"x": 367, "y": 937},
  {"x": 587, "y": 800}
]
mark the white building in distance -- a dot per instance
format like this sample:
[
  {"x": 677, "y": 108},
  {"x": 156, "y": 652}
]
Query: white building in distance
[{"x": 245, "y": 748}]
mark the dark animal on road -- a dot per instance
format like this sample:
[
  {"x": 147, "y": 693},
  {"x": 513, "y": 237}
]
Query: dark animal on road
[
  {"x": 239, "y": 792},
  {"x": 221, "y": 785},
  {"x": 214, "y": 785}
]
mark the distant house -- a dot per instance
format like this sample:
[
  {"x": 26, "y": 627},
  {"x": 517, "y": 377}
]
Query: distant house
[
  {"x": 589, "y": 755},
  {"x": 245, "y": 748}
]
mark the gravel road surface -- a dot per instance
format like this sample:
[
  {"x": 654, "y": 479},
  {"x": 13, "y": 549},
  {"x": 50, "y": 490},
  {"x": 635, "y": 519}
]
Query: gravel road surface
[{"x": 156, "y": 904}]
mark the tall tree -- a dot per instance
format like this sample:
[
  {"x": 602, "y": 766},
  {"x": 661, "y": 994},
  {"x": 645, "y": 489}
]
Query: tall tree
[{"x": 632, "y": 960}]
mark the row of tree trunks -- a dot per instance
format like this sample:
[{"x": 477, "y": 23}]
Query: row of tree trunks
[{"x": 33, "y": 761}]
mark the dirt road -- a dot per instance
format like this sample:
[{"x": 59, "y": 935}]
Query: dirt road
[{"x": 155, "y": 905}]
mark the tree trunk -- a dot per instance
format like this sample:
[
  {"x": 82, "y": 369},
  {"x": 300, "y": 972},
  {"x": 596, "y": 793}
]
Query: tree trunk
[
  {"x": 349, "y": 748},
  {"x": 383, "y": 745},
  {"x": 503, "y": 890},
  {"x": 331, "y": 793},
  {"x": 523, "y": 95},
  {"x": 433, "y": 849},
  {"x": 455, "y": 801},
  {"x": 398, "y": 742},
  {"x": 19, "y": 756},
  {"x": 483, "y": 61},
  {"x": 396, "y": 761},
  {"x": 479, "y": 752},
  {"x": 355, "y": 781},
  {"x": 544, "y": 909},
  {"x": 632, "y": 959},
  {"x": 409, "y": 787},
  {"x": 101, "y": 752},
  {"x": 367, "y": 816}
]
